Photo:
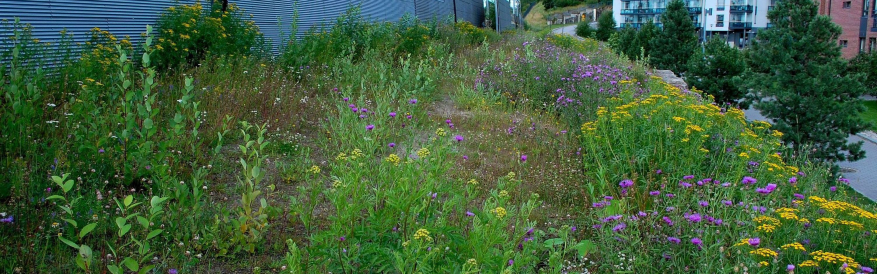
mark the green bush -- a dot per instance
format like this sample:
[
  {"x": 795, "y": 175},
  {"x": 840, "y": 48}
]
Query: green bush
[
  {"x": 189, "y": 34},
  {"x": 583, "y": 29}
]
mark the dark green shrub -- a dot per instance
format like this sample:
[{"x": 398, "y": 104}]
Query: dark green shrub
[{"x": 584, "y": 30}]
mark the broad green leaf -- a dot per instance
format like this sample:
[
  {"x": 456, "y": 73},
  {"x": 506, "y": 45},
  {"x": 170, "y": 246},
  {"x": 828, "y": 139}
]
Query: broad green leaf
[
  {"x": 85, "y": 230},
  {"x": 68, "y": 242},
  {"x": 147, "y": 124},
  {"x": 113, "y": 269},
  {"x": 131, "y": 264},
  {"x": 585, "y": 247},
  {"x": 124, "y": 230},
  {"x": 128, "y": 200},
  {"x": 143, "y": 221},
  {"x": 71, "y": 222},
  {"x": 56, "y": 197},
  {"x": 67, "y": 186},
  {"x": 120, "y": 222},
  {"x": 153, "y": 233},
  {"x": 552, "y": 242}
]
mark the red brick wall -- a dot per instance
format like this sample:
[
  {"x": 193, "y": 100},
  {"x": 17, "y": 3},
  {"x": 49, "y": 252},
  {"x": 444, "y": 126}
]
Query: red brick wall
[{"x": 849, "y": 19}]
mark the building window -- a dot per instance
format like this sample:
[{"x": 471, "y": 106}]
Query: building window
[
  {"x": 720, "y": 20},
  {"x": 848, "y": 4},
  {"x": 866, "y": 7},
  {"x": 861, "y": 45},
  {"x": 720, "y": 4},
  {"x": 843, "y": 43},
  {"x": 872, "y": 44}
]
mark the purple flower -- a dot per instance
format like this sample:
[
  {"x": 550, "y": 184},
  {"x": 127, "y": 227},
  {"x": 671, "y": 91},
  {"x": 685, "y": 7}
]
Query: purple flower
[
  {"x": 703, "y": 203},
  {"x": 598, "y": 205},
  {"x": 448, "y": 121},
  {"x": 345, "y": 99},
  {"x": 530, "y": 231},
  {"x": 793, "y": 180},
  {"x": 625, "y": 183},
  {"x": 693, "y": 218},
  {"x": 790, "y": 267},
  {"x": 612, "y": 218},
  {"x": 607, "y": 198},
  {"x": 465, "y": 157},
  {"x": 832, "y": 189},
  {"x": 341, "y": 239},
  {"x": 654, "y": 193},
  {"x": 696, "y": 241},
  {"x": 687, "y": 177},
  {"x": 412, "y": 101},
  {"x": 748, "y": 180},
  {"x": 100, "y": 150},
  {"x": 726, "y": 184},
  {"x": 670, "y": 195},
  {"x": 459, "y": 138},
  {"x": 393, "y": 114},
  {"x": 674, "y": 240},
  {"x": 573, "y": 229},
  {"x": 369, "y": 127},
  {"x": 866, "y": 269},
  {"x": 727, "y": 203},
  {"x": 523, "y": 158},
  {"x": 669, "y": 208},
  {"x": 667, "y": 220},
  {"x": 642, "y": 214},
  {"x": 511, "y": 262},
  {"x": 351, "y": 106},
  {"x": 391, "y": 145},
  {"x": 763, "y": 190},
  {"x": 354, "y": 110},
  {"x": 469, "y": 213},
  {"x": 172, "y": 271},
  {"x": 7, "y": 220},
  {"x": 409, "y": 118},
  {"x": 684, "y": 184},
  {"x": 659, "y": 171},
  {"x": 619, "y": 227},
  {"x": 843, "y": 180},
  {"x": 754, "y": 241}
]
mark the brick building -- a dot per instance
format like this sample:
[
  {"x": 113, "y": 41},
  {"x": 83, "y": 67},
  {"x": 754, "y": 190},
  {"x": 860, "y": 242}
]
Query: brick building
[{"x": 858, "y": 19}]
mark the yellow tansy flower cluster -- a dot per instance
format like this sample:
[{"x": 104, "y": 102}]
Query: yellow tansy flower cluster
[
  {"x": 764, "y": 252},
  {"x": 795, "y": 246},
  {"x": 314, "y": 169},
  {"x": 500, "y": 212},
  {"x": 833, "y": 258},
  {"x": 393, "y": 159},
  {"x": 422, "y": 234},
  {"x": 423, "y": 152}
]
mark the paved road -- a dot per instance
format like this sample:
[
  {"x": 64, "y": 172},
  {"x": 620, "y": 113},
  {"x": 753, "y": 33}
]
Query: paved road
[
  {"x": 571, "y": 30},
  {"x": 862, "y": 173}
]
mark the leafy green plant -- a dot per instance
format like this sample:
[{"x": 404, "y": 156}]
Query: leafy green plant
[
  {"x": 84, "y": 257},
  {"x": 138, "y": 237},
  {"x": 250, "y": 224}
]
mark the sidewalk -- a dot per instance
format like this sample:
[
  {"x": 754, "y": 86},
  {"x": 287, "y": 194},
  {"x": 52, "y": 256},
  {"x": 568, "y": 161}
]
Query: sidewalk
[{"x": 862, "y": 174}]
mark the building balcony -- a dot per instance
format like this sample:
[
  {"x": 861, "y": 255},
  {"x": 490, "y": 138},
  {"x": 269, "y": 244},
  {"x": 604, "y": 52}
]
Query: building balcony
[
  {"x": 695, "y": 10},
  {"x": 642, "y": 11},
  {"x": 637, "y": 25},
  {"x": 740, "y": 25},
  {"x": 741, "y": 8},
  {"x": 720, "y": 24}
]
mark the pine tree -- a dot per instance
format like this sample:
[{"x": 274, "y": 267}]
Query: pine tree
[
  {"x": 796, "y": 77},
  {"x": 713, "y": 72},
  {"x": 644, "y": 36},
  {"x": 605, "y": 26},
  {"x": 626, "y": 42},
  {"x": 677, "y": 41},
  {"x": 866, "y": 64}
]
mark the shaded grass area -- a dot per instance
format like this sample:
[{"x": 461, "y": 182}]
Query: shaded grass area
[{"x": 870, "y": 113}]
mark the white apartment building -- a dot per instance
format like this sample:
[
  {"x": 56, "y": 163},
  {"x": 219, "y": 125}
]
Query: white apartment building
[{"x": 736, "y": 20}]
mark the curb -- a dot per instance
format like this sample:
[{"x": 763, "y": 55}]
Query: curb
[{"x": 868, "y": 135}]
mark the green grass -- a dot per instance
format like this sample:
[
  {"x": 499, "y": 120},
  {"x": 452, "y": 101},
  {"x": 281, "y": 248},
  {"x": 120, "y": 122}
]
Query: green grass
[{"x": 870, "y": 113}]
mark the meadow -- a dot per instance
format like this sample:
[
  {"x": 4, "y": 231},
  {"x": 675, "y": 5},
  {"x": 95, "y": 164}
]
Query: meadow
[{"x": 401, "y": 147}]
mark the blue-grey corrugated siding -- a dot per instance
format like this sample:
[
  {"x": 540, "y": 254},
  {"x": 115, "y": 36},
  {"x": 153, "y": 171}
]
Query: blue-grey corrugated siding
[
  {"x": 505, "y": 15},
  {"x": 130, "y": 17}
]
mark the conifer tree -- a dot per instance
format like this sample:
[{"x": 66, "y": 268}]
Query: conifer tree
[
  {"x": 605, "y": 26},
  {"x": 676, "y": 42},
  {"x": 644, "y": 36},
  {"x": 798, "y": 82},
  {"x": 713, "y": 71}
]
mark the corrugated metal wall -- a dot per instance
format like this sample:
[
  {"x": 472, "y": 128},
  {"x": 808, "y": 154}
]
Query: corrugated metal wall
[
  {"x": 471, "y": 10},
  {"x": 505, "y": 15},
  {"x": 130, "y": 17}
]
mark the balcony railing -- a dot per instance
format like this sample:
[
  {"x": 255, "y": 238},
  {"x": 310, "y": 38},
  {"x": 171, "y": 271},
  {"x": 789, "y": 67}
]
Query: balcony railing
[
  {"x": 642, "y": 11},
  {"x": 720, "y": 24},
  {"x": 742, "y": 8},
  {"x": 694, "y": 9},
  {"x": 740, "y": 25},
  {"x": 638, "y": 25}
]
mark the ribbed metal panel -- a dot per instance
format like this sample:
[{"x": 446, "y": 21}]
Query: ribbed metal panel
[
  {"x": 270, "y": 16},
  {"x": 505, "y": 15},
  {"x": 428, "y": 10},
  {"x": 119, "y": 17},
  {"x": 471, "y": 10}
]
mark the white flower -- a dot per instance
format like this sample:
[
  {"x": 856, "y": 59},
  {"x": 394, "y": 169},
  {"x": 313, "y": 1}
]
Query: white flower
[{"x": 51, "y": 105}]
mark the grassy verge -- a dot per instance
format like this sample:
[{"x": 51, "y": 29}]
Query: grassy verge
[{"x": 870, "y": 113}]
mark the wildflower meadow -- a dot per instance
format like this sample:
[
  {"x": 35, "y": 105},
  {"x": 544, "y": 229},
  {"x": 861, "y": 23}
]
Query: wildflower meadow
[{"x": 399, "y": 147}]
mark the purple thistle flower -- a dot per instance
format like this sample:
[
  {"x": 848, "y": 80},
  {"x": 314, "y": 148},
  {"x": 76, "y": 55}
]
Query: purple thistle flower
[
  {"x": 100, "y": 150},
  {"x": 703, "y": 203},
  {"x": 667, "y": 220},
  {"x": 172, "y": 271},
  {"x": 687, "y": 177},
  {"x": 843, "y": 180},
  {"x": 511, "y": 262},
  {"x": 693, "y": 218},
  {"x": 697, "y": 242},
  {"x": 832, "y": 189},
  {"x": 726, "y": 184},
  {"x": 670, "y": 195},
  {"x": 412, "y": 101},
  {"x": 654, "y": 193},
  {"x": 674, "y": 240},
  {"x": 625, "y": 183},
  {"x": 619, "y": 227},
  {"x": 393, "y": 114},
  {"x": 598, "y": 205},
  {"x": 659, "y": 171},
  {"x": 793, "y": 180},
  {"x": 459, "y": 138},
  {"x": 354, "y": 110},
  {"x": 369, "y": 127},
  {"x": 391, "y": 145},
  {"x": 346, "y": 98},
  {"x": 573, "y": 229},
  {"x": 754, "y": 241},
  {"x": 684, "y": 184},
  {"x": 866, "y": 269},
  {"x": 727, "y": 203},
  {"x": 607, "y": 198},
  {"x": 351, "y": 106},
  {"x": 341, "y": 239},
  {"x": 799, "y": 196},
  {"x": 790, "y": 267},
  {"x": 523, "y": 158},
  {"x": 748, "y": 180},
  {"x": 7, "y": 220},
  {"x": 469, "y": 213}
]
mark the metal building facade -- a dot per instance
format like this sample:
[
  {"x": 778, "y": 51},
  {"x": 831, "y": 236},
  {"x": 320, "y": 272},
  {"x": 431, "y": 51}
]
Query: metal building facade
[
  {"x": 504, "y": 12},
  {"x": 130, "y": 17}
]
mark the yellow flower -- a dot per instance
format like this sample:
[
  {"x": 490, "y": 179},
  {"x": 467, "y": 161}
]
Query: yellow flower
[
  {"x": 472, "y": 262},
  {"x": 341, "y": 157},
  {"x": 336, "y": 184},
  {"x": 423, "y": 152},
  {"x": 832, "y": 258},
  {"x": 473, "y": 182},
  {"x": 764, "y": 252},
  {"x": 744, "y": 155},
  {"x": 766, "y": 228},
  {"x": 500, "y": 212},
  {"x": 440, "y": 132},
  {"x": 809, "y": 263},
  {"x": 422, "y": 234},
  {"x": 314, "y": 169},
  {"x": 503, "y": 193},
  {"x": 763, "y": 263},
  {"x": 795, "y": 246},
  {"x": 393, "y": 159}
]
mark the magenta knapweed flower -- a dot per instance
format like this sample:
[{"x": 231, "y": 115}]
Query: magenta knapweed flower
[
  {"x": 674, "y": 240},
  {"x": 866, "y": 269},
  {"x": 693, "y": 218},
  {"x": 391, "y": 145},
  {"x": 172, "y": 271},
  {"x": 696, "y": 241},
  {"x": 727, "y": 203},
  {"x": 409, "y": 118},
  {"x": 346, "y": 99},
  {"x": 465, "y": 157},
  {"x": 687, "y": 177},
  {"x": 412, "y": 101},
  {"x": 573, "y": 229},
  {"x": 7, "y": 220},
  {"x": 598, "y": 204},
  {"x": 469, "y": 213},
  {"x": 843, "y": 180},
  {"x": 523, "y": 158},
  {"x": 351, "y": 106},
  {"x": 790, "y": 267},
  {"x": 341, "y": 238},
  {"x": 670, "y": 195},
  {"x": 511, "y": 262},
  {"x": 754, "y": 241},
  {"x": 642, "y": 214},
  {"x": 654, "y": 193},
  {"x": 459, "y": 138},
  {"x": 354, "y": 110},
  {"x": 793, "y": 180},
  {"x": 703, "y": 203},
  {"x": 608, "y": 198},
  {"x": 667, "y": 220},
  {"x": 762, "y": 190},
  {"x": 612, "y": 218},
  {"x": 658, "y": 171},
  {"x": 748, "y": 180},
  {"x": 832, "y": 189},
  {"x": 393, "y": 114},
  {"x": 625, "y": 183},
  {"x": 619, "y": 227},
  {"x": 684, "y": 184},
  {"x": 369, "y": 127},
  {"x": 726, "y": 184},
  {"x": 448, "y": 121},
  {"x": 100, "y": 150},
  {"x": 799, "y": 196}
]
